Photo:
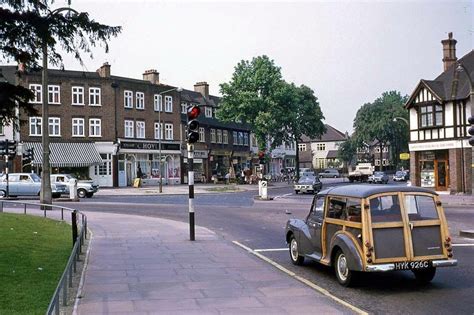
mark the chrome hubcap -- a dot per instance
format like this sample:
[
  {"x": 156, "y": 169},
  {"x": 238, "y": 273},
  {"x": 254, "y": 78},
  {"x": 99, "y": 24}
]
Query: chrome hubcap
[
  {"x": 342, "y": 269},
  {"x": 294, "y": 250}
]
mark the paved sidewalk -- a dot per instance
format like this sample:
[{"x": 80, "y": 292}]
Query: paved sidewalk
[{"x": 141, "y": 265}]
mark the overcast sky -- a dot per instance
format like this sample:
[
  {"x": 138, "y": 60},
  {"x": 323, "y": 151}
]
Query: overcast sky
[{"x": 347, "y": 52}]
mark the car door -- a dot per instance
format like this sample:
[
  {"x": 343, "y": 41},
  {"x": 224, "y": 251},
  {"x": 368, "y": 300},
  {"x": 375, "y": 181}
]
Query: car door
[
  {"x": 26, "y": 186},
  {"x": 12, "y": 184},
  {"x": 314, "y": 222}
]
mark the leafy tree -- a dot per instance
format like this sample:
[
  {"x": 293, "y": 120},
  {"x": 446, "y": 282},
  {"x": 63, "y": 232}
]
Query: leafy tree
[
  {"x": 347, "y": 151},
  {"x": 26, "y": 26},
  {"x": 375, "y": 121}
]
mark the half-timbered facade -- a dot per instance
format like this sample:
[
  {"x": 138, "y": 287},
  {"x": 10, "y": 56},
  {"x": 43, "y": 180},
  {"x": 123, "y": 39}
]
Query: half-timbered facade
[{"x": 440, "y": 155}]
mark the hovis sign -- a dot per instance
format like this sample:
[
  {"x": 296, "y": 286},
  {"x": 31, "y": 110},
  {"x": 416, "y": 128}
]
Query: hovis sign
[{"x": 404, "y": 156}]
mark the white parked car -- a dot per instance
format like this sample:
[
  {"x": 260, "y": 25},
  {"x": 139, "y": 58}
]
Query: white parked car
[
  {"x": 27, "y": 184},
  {"x": 85, "y": 188}
]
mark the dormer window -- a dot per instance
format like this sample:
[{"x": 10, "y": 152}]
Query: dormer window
[
  {"x": 208, "y": 111},
  {"x": 431, "y": 116}
]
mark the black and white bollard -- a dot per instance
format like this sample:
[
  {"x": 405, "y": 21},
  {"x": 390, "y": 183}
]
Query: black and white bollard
[{"x": 191, "y": 190}]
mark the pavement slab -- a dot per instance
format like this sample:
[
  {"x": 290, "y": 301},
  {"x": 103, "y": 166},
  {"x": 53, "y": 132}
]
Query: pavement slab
[{"x": 143, "y": 265}]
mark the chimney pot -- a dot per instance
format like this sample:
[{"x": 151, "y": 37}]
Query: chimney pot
[
  {"x": 104, "y": 70},
  {"x": 152, "y": 76},
  {"x": 449, "y": 51},
  {"x": 203, "y": 88}
]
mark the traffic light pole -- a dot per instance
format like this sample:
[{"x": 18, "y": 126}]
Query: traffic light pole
[
  {"x": 191, "y": 190},
  {"x": 6, "y": 174}
]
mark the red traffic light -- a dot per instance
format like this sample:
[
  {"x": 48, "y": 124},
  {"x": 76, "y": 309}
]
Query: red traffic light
[{"x": 193, "y": 112}]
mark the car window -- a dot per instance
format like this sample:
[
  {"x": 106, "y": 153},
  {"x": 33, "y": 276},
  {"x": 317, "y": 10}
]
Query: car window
[
  {"x": 318, "y": 208},
  {"x": 354, "y": 210},
  {"x": 35, "y": 178},
  {"x": 336, "y": 208},
  {"x": 13, "y": 178},
  {"x": 385, "y": 209},
  {"x": 24, "y": 178},
  {"x": 421, "y": 207}
]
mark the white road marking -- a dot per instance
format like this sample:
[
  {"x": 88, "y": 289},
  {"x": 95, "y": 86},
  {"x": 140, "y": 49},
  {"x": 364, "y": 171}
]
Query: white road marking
[
  {"x": 301, "y": 279},
  {"x": 271, "y": 250},
  {"x": 463, "y": 245},
  {"x": 282, "y": 196}
]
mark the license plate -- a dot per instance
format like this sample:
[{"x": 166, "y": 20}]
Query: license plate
[{"x": 410, "y": 265}]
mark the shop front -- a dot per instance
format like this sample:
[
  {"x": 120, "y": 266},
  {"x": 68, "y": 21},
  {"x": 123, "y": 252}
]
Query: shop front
[
  {"x": 200, "y": 166},
  {"x": 142, "y": 159},
  {"x": 442, "y": 166},
  {"x": 219, "y": 163}
]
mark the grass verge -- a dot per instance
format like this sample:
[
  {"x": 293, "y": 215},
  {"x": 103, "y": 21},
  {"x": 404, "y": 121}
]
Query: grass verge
[
  {"x": 224, "y": 189},
  {"x": 33, "y": 254}
]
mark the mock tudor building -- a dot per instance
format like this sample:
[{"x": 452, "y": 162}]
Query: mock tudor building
[
  {"x": 440, "y": 155},
  {"x": 221, "y": 146},
  {"x": 105, "y": 127}
]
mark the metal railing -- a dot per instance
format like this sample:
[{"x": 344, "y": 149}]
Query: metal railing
[{"x": 79, "y": 235}]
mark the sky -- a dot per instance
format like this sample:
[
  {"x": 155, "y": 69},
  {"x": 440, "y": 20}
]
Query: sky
[{"x": 348, "y": 52}]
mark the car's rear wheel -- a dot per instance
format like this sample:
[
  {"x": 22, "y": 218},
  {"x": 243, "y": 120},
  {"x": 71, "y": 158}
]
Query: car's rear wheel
[
  {"x": 343, "y": 273},
  {"x": 3, "y": 194},
  {"x": 425, "y": 276},
  {"x": 297, "y": 191},
  {"x": 296, "y": 259},
  {"x": 56, "y": 195},
  {"x": 335, "y": 176},
  {"x": 81, "y": 193},
  {"x": 89, "y": 195}
]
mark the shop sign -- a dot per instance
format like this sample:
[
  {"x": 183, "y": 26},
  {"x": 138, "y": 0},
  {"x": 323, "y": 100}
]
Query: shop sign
[
  {"x": 149, "y": 146},
  {"x": 404, "y": 156},
  {"x": 235, "y": 161}
]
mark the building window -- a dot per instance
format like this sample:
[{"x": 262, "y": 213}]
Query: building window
[
  {"x": 320, "y": 146},
  {"x": 37, "y": 90},
  {"x": 77, "y": 95},
  {"x": 158, "y": 131},
  {"x": 54, "y": 126},
  {"x": 184, "y": 108},
  {"x": 78, "y": 127},
  {"x": 128, "y": 99},
  {"x": 377, "y": 150},
  {"x": 301, "y": 147},
  {"x": 54, "y": 94},
  {"x": 235, "y": 140},
  {"x": 94, "y": 96},
  {"x": 431, "y": 115},
  {"x": 377, "y": 162},
  {"x": 129, "y": 126},
  {"x": 384, "y": 162},
  {"x": 241, "y": 138},
  {"x": 202, "y": 135},
  {"x": 219, "y": 136},
  {"x": 95, "y": 129},
  {"x": 141, "y": 129},
  {"x": 157, "y": 102},
  {"x": 246, "y": 139},
  {"x": 169, "y": 131},
  {"x": 253, "y": 140},
  {"x": 385, "y": 149},
  {"x": 168, "y": 104},
  {"x": 140, "y": 100},
  {"x": 213, "y": 135},
  {"x": 225, "y": 137},
  {"x": 208, "y": 111},
  {"x": 35, "y": 126}
]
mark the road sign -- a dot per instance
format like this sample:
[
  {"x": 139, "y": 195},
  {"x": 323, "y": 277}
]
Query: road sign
[{"x": 404, "y": 156}]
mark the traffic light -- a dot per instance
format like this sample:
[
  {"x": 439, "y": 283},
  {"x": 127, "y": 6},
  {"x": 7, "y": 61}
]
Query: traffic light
[
  {"x": 11, "y": 148},
  {"x": 28, "y": 156},
  {"x": 3, "y": 147},
  {"x": 192, "y": 129},
  {"x": 471, "y": 130},
  {"x": 261, "y": 157}
]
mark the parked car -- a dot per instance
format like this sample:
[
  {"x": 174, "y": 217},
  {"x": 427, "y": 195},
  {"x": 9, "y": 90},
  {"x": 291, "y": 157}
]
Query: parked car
[
  {"x": 84, "y": 188},
  {"x": 27, "y": 184},
  {"x": 309, "y": 184},
  {"x": 329, "y": 173},
  {"x": 378, "y": 178},
  {"x": 401, "y": 176},
  {"x": 367, "y": 228}
]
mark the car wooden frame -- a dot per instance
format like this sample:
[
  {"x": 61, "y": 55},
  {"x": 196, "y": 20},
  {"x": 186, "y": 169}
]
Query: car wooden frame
[{"x": 366, "y": 228}]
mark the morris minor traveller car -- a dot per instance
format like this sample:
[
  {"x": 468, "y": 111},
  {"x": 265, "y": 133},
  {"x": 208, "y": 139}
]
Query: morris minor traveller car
[{"x": 368, "y": 228}]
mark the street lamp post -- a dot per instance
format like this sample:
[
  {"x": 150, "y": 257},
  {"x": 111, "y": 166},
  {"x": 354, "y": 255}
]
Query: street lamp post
[
  {"x": 45, "y": 194},
  {"x": 160, "y": 128}
]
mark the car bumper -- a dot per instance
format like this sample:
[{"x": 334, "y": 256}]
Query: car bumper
[{"x": 390, "y": 267}]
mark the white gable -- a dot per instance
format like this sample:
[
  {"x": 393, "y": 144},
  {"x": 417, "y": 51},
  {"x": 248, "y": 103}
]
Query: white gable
[{"x": 424, "y": 96}]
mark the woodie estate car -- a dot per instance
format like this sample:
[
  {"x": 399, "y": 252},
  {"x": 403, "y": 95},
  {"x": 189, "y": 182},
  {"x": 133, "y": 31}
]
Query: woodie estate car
[{"x": 366, "y": 228}]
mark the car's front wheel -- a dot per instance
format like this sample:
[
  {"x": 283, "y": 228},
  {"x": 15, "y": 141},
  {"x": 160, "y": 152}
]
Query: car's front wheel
[
  {"x": 296, "y": 259},
  {"x": 81, "y": 193},
  {"x": 3, "y": 194},
  {"x": 89, "y": 195},
  {"x": 343, "y": 273},
  {"x": 56, "y": 195},
  {"x": 425, "y": 276},
  {"x": 297, "y": 191}
]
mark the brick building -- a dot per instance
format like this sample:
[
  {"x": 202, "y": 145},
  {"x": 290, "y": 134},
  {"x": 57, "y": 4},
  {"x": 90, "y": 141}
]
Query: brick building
[{"x": 440, "y": 155}]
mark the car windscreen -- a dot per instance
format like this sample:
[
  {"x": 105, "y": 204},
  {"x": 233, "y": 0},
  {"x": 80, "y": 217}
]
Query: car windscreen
[
  {"x": 35, "y": 178},
  {"x": 307, "y": 180}
]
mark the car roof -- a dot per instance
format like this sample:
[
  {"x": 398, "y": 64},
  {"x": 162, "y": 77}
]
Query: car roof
[{"x": 364, "y": 190}]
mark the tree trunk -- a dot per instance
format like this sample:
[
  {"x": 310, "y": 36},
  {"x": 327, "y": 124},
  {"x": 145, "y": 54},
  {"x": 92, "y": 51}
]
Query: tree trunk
[
  {"x": 381, "y": 157},
  {"x": 297, "y": 160}
]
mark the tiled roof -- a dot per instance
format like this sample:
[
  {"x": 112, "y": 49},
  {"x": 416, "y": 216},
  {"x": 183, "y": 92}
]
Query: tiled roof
[{"x": 331, "y": 134}]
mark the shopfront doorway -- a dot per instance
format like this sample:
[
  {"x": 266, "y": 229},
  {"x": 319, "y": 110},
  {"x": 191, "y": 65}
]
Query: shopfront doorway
[
  {"x": 441, "y": 175},
  {"x": 434, "y": 169}
]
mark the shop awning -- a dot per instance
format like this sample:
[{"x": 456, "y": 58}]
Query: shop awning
[{"x": 66, "y": 154}]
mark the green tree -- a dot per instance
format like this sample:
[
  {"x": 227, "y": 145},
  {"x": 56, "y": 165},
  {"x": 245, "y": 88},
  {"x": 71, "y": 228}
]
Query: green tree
[
  {"x": 347, "y": 151},
  {"x": 375, "y": 121},
  {"x": 25, "y": 25}
]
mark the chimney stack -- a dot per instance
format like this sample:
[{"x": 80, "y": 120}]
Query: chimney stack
[
  {"x": 152, "y": 76},
  {"x": 203, "y": 88},
  {"x": 449, "y": 51},
  {"x": 104, "y": 70}
]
